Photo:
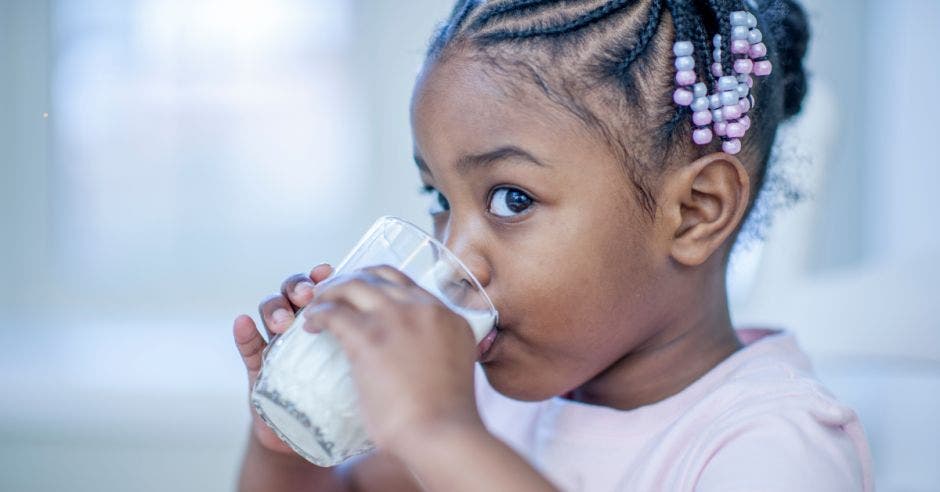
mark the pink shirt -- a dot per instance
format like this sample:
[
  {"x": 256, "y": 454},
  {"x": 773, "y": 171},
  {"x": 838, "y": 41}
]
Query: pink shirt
[{"x": 759, "y": 421}]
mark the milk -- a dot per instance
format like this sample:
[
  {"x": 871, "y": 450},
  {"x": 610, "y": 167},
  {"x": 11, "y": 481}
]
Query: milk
[{"x": 307, "y": 395}]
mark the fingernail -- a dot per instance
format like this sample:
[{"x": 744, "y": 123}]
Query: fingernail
[
  {"x": 303, "y": 288},
  {"x": 280, "y": 315}
]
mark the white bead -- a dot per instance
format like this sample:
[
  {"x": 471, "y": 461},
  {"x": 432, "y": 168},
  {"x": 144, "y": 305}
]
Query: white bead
[
  {"x": 727, "y": 83},
  {"x": 739, "y": 32},
  {"x": 751, "y": 20},
  {"x": 743, "y": 90},
  {"x": 714, "y": 101},
  {"x": 717, "y": 116},
  {"x": 700, "y": 104},
  {"x": 729, "y": 98},
  {"x": 685, "y": 63},
  {"x": 682, "y": 48},
  {"x": 716, "y": 55},
  {"x": 700, "y": 90},
  {"x": 754, "y": 36},
  {"x": 716, "y": 41},
  {"x": 739, "y": 18}
]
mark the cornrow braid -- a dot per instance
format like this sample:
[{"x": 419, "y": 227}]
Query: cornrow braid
[
  {"x": 578, "y": 22},
  {"x": 643, "y": 38},
  {"x": 500, "y": 11}
]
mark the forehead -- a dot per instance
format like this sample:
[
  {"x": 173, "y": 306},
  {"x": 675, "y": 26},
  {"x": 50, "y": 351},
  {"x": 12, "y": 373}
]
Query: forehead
[{"x": 465, "y": 106}]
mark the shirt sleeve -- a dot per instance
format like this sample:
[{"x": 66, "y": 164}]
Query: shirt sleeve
[{"x": 786, "y": 452}]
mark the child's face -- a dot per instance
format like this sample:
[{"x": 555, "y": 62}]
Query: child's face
[{"x": 573, "y": 263}]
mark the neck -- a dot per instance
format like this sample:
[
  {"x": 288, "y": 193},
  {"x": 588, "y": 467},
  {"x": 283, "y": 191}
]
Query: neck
[{"x": 671, "y": 360}]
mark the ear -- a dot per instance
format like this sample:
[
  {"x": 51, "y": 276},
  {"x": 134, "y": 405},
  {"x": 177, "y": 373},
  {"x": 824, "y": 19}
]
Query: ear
[{"x": 702, "y": 205}]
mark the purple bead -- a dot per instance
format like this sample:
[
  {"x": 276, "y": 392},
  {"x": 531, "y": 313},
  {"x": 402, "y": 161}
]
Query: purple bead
[
  {"x": 743, "y": 65},
  {"x": 732, "y": 146},
  {"x": 682, "y": 97},
  {"x": 717, "y": 71},
  {"x": 731, "y": 112},
  {"x": 721, "y": 128},
  {"x": 702, "y": 136},
  {"x": 702, "y": 118},
  {"x": 735, "y": 130},
  {"x": 746, "y": 121},
  {"x": 744, "y": 104},
  {"x": 685, "y": 77},
  {"x": 740, "y": 46},
  {"x": 682, "y": 48},
  {"x": 758, "y": 50},
  {"x": 749, "y": 81},
  {"x": 762, "y": 68}
]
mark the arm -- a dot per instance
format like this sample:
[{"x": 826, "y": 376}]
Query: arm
[
  {"x": 468, "y": 458},
  {"x": 266, "y": 470}
]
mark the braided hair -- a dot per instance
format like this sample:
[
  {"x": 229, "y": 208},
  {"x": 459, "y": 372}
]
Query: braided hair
[{"x": 609, "y": 62}]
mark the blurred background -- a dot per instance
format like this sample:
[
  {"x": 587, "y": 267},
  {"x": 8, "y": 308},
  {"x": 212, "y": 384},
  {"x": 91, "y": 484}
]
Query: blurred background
[{"x": 166, "y": 163}]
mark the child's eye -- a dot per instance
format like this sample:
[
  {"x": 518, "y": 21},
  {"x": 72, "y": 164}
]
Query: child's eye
[
  {"x": 439, "y": 203},
  {"x": 509, "y": 202}
]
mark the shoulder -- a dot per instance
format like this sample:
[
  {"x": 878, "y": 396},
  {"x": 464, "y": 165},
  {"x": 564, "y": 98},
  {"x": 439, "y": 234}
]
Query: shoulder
[{"x": 774, "y": 426}]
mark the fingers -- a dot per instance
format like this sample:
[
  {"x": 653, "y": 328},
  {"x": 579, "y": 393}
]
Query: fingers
[
  {"x": 320, "y": 272},
  {"x": 364, "y": 290},
  {"x": 343, "y": 321},
  {"x": 250, "y": 345},
  {"x": 276, "y": 313},
  {"x": 298, "y": 289}
]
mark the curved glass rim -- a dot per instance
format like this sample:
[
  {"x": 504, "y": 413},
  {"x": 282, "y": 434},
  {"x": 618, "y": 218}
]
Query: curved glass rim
[{"x": 440, "y": 246}]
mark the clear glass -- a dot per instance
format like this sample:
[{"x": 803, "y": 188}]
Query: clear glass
[{"x": 305, "y": 391}]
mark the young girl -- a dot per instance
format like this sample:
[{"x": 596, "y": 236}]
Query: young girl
[{"x": 592, "y": 162}]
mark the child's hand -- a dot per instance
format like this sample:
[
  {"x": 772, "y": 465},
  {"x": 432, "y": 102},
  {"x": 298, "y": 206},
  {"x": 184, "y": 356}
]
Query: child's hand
[
  {"x": 277, "y": 314},
  {"x": 412, "y": 357}
]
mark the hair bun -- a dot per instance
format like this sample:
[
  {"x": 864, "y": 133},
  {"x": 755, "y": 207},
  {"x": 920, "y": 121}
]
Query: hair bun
[{"x": 791, "y": 36}]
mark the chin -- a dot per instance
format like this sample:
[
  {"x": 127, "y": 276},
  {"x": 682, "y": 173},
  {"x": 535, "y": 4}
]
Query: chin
[{"x": 517, "y": 384}]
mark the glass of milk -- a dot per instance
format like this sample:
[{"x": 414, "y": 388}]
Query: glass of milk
[{"x": 305, "y": 391}]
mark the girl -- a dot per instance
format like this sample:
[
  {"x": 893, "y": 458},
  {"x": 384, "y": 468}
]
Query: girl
[{"x": 592, "y": 162}]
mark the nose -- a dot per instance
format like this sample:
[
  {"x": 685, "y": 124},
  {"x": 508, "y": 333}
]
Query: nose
[{"x": 465, "y": 241}]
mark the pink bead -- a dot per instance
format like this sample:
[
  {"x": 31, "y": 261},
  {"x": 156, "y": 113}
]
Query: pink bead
[
  {"x": 702, "y": 118},
  {"x": 750, "y": 81},
  {"x": 702, "y": 136},
  {"x": 735, "y": 130},
  {"x": 743, "y": 65},
  {"x": 762, "y": 68},
  {"x": 746, "y": 121},
  {"x": 732, "y": 146},
  {"x": 721, "y": 128},
  {"x": 717, "y": 71},
  {"x": 685, "y": 77},
  {"x": 682, "y": 97},
  {"x": 740, "y": 46},
  {"x": 744, "y": 104},
  {"x": 731, "y": 112},
  {"x": 758, "y": 50}
]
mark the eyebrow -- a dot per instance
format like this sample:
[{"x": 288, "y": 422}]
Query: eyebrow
[{"x": 501, "y": 155}]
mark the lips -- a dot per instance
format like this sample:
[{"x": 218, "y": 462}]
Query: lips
[{"x": 486, "y": 344}]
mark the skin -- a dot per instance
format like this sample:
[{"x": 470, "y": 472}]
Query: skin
[{"x": 597, "y": 301}]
